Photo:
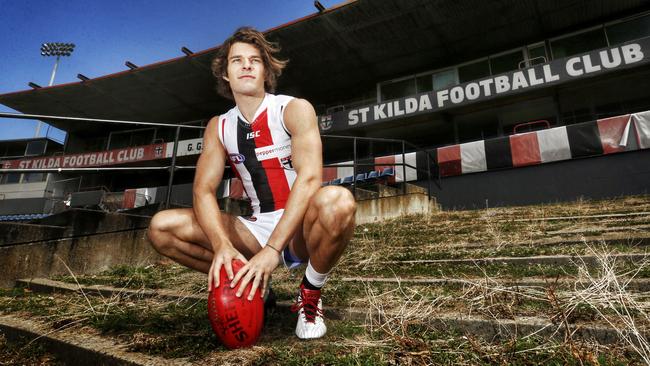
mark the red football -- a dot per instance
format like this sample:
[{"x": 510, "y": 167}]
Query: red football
[{"x": 236, "y": 321}]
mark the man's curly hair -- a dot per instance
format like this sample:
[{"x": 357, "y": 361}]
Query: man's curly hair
[{"x": 272, "y": 66}]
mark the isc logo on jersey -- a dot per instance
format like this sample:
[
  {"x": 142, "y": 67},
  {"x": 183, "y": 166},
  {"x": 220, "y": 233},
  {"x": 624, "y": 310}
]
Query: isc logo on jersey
[{"x": 252, "y": 135}]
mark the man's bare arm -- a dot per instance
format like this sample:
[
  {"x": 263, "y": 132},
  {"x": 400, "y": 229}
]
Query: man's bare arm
[
  {"x": 209, "y": 173},
  {"x": 307, "y": 160}
]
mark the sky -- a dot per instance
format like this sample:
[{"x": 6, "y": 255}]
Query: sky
[{"x": 109, "y": 32}]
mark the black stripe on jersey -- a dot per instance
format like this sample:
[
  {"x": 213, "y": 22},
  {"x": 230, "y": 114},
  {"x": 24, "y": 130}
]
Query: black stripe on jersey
[{"x": 255, "y": 169}]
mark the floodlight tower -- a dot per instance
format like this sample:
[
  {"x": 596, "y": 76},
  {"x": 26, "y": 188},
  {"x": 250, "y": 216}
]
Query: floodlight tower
[{"x": 54, "y": 49}]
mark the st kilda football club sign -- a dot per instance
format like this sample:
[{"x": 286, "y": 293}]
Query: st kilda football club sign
[
  {"x": 598, "y": 62},
  {"x": 91, "y": 159}
]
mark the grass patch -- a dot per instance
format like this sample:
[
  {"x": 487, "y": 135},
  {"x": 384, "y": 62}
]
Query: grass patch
[
  {"x": 21, "y": 352},
  {"x": 134, "y": 277},
  {"x": 400, "y": 326}
]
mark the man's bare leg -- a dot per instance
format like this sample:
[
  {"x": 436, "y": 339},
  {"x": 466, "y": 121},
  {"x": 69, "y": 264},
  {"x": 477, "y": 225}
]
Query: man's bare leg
[
  {"x": 327, "y": 229},
  {"x": 176, "y": 234}
]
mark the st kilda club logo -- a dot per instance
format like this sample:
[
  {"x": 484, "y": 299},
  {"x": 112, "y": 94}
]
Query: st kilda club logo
[
  {"x": 325, "y": 122},
  {"x": 286, "y": 162},
  {"x": 236, "y": 158}
]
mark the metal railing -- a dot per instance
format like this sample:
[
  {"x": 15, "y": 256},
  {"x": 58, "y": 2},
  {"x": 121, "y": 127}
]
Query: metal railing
[
  {"x": 530, "y": 125},
  {"x": 171, "y": 168},
  {"x": 355, "y": 164},
  {"x": 174, "y": 167}
]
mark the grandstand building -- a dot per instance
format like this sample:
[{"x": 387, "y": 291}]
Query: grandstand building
[{"x": 498, "y": 103}]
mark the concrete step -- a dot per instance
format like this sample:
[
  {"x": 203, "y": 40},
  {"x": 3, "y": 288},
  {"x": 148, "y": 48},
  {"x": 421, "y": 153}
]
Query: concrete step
[
  {"x": 489, "y": 329},
  {"x": 615, "y": 238},
  {"x": 18, "y": 232},
  {"x": 539, "y": 259},
  {"x": 85, "y": 254},
  {"x": 47, "y": 286},
  {"x": 78, "y": 348},
  {"x": 640, "y": 285}
]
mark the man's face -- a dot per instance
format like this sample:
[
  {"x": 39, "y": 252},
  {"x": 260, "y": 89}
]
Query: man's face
[{"x": 245, "y": 70}]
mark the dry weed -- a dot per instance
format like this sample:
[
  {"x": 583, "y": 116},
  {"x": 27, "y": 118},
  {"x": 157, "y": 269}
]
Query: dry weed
[
  {"x": 603, "y": 288},
  {"x": 393, "y": 311}
]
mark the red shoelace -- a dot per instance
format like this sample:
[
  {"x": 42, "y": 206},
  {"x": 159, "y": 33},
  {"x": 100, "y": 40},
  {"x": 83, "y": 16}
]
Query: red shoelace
[{"x": 308, "y": 301}]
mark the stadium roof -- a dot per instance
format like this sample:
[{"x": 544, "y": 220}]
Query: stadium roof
[{"x": 335, "y": 55}]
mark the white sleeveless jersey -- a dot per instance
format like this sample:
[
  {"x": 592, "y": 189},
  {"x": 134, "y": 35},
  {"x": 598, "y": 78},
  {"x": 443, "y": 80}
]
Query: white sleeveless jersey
[{"x": 260, "y": 152}]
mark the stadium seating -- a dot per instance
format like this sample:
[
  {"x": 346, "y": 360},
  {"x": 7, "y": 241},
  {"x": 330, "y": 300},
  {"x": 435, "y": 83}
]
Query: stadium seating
[
  {"x": 372, "y": 176},
  {"x": 348, "y": 180},
  {"x": 363, "y": 178},
  {"x": 388, "y": 172},
  {"x": 22, "y": 217}
]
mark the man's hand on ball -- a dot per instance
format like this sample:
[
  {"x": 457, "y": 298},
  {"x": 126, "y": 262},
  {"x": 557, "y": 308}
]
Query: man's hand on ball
[
  {"x": 223, "y": 257},
  {"x": 259, "y": 270}
]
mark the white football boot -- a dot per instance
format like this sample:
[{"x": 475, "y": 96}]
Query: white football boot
[{"x": 310, "y": 314}]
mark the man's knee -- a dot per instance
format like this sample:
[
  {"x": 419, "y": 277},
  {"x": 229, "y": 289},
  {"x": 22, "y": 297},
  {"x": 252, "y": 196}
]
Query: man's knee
[
  {"x": 336, "y": 209},
  {"x": 159, "y": 231}
]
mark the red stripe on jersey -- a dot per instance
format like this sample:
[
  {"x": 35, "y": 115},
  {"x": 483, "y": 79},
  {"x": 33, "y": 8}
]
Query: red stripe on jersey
[{"x": 272, "y": 167}]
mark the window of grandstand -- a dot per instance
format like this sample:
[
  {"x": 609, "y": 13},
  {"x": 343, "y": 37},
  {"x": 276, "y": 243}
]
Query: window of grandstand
[
  {"x": 10, "y": 178},
  {"x": 536, "y": 54},
  {"x": 628, "y": 30},
  {"x": 82, "y": 144},
  {"x": 33, "y": 177},
  {"x": 121, "y": 139},
  {"x": 424, "y": 83},
  {"x": 36, "y": 148},
  {"x": 398, "y": 88},
  {"x": 12, "y": 151},
  {"x": 506, "y": 61},
  {"x": 578, "y": 43},
  {"x": 445, "y": 79},
  {"x": 473, "y": 71}
]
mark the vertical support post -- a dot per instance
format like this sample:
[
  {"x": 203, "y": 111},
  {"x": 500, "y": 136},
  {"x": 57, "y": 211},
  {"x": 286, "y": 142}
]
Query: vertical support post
[
  {"x": 428, "y": 173},
  {"x": 56, "y": 65},
  {"x": 403, "y": 168},
  {"x": 354, "y": 169},
  {"x": 172, "y": 168}
]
